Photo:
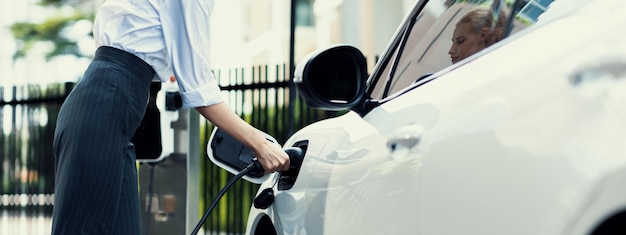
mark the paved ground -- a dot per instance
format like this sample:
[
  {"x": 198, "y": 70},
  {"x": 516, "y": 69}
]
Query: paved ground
[{"x": 18, "y": 223}]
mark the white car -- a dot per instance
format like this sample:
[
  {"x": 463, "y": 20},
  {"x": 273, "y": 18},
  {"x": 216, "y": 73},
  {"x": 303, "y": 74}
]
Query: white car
[{"x": 527, "y": 136}]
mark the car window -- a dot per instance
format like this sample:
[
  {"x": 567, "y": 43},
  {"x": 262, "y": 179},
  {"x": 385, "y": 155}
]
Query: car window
[{"x": 423, "y": 45}]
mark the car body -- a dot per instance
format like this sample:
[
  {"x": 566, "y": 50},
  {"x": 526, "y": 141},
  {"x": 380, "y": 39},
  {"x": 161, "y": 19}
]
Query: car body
[{"x": 527, "y": 136}]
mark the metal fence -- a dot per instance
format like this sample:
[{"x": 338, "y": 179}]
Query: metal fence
[
  {"x": 261, "y": 95},
  {"x": 27, "y": 117}
]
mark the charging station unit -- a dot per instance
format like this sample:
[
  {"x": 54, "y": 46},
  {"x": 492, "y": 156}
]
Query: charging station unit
[{"x": 161, "y": 147}]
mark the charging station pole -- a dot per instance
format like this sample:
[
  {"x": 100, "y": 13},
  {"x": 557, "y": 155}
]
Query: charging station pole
[{"x": 193, "y": 172}]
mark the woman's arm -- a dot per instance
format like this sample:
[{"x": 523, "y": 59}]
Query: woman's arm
[{"x": 269, "y": 154}]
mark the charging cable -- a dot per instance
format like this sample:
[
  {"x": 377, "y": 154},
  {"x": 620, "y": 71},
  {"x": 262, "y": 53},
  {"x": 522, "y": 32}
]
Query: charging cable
[
  {"x": 253, "y": 167},
  {"x": 296, "y": 155}
]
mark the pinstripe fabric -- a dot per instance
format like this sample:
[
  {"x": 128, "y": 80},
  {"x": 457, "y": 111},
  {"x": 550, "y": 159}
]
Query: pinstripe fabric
[{"x": 96, "y": 178}]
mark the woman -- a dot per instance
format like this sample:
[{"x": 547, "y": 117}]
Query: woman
[
  {"x": 475, "y": 31},
  {"x": 140, "y": 41}
]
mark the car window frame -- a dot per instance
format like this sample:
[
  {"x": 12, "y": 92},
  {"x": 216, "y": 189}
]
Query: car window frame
[{"x": 391, "y": 48}]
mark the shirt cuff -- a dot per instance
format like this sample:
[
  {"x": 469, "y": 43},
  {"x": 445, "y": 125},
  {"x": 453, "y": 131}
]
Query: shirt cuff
[{"x": 205, "y": 95}]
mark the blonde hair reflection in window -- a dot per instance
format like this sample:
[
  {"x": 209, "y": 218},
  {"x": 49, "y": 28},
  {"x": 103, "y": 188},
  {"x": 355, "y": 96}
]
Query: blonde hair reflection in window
[{"x": 476, "y": 31}]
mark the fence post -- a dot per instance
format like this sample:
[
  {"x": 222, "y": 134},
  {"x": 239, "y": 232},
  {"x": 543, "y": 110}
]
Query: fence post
[
  {"x": 193, "y": 171},
  {"x": 292, "y": 66},
  {"x": 68, "y": 88}
]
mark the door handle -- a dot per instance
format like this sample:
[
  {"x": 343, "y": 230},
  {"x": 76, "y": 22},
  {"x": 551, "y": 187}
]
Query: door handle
[{"x": 405, "y": 137}]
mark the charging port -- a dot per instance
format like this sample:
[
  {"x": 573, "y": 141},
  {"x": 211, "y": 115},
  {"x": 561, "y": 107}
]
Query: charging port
[{"x": 296, "y": 157}]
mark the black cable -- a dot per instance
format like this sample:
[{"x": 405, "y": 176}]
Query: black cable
[{"x": 254, "y": 166}]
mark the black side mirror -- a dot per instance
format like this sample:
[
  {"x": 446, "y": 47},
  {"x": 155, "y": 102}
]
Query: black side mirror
[{"x": 332, "y": 79}]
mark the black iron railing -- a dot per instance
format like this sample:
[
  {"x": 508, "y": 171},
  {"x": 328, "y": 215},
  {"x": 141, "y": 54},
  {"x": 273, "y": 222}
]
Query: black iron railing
[{"x": 260, "y": 95}]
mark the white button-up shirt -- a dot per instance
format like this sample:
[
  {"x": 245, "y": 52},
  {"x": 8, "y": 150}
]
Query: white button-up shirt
[{"x": 171, "y": 35}]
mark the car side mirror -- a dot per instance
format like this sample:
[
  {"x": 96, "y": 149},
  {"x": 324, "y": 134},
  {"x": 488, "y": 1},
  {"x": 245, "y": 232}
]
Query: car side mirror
[{"x": 332, "y": 79}]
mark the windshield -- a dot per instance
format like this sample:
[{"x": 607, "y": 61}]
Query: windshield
[{"x": 444, "y": 32}]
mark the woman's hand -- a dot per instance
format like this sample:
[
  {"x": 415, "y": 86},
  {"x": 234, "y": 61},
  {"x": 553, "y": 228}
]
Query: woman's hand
[{"x": 272, "y": 157}]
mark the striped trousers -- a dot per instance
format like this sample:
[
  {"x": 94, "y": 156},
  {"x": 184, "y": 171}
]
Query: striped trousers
[{"x": 96, "y": 190}]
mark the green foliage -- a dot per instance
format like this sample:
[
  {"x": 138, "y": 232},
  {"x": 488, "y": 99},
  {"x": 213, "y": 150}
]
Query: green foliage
[
  {"x": 51, "y": 2},
  {"x": 28, "y": 34}
]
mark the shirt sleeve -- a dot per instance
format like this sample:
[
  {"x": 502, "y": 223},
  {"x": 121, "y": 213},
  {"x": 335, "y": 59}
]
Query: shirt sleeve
[{"x": 186, "y": 30}]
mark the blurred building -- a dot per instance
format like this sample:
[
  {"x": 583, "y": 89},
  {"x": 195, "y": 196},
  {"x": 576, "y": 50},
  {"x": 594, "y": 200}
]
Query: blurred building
[
  {"x": 244, "y": 33},
  {"x": 254, "y": 32}
]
